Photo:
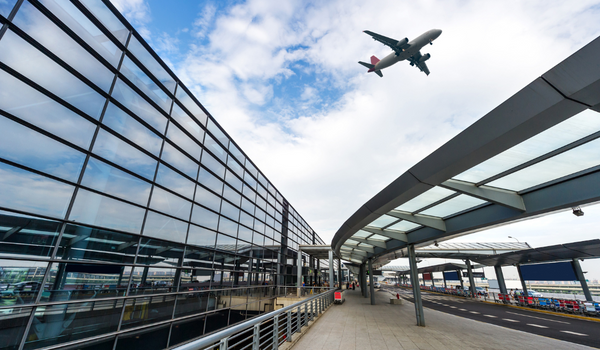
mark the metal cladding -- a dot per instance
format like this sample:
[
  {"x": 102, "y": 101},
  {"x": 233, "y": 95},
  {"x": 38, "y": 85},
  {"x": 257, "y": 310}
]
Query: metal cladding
[{"x": 536, "y": 153}]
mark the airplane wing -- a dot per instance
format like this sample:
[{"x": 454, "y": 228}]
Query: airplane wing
[
  {"x": 414, "y": 60},
  {"x": 392, "y": 43}
]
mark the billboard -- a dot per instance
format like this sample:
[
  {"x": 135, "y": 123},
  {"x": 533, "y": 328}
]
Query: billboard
[{"x": 559, "y": 271}]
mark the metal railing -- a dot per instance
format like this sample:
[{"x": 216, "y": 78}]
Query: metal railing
[{"x": 268, "y": 331}]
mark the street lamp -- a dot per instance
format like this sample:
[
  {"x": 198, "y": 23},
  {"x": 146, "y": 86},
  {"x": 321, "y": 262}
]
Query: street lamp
[{"x": 514, "y": 238}]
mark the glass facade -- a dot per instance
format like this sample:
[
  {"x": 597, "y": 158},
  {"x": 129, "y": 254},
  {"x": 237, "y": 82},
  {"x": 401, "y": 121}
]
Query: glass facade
[{"x": 128, "y": 217}]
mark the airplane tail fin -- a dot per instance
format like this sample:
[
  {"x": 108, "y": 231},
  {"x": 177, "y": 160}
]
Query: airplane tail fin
[
  {"x": 372, "y": 67},
  {"x": 378, "y": 72},
  {"x": 374, "y": 60}
]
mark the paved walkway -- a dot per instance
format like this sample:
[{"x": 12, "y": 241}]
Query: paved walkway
[{"x": 356, "y": 325}]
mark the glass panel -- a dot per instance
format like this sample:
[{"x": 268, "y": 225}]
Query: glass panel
[
  {"x": 25, "y": 59},
  {"x": 164, "y": 227},
  {"x": 105, "y": 178},
  {"x": 570, "y": 130},
  {"x": 84, "y": 28},
  {"x": 252, "y": 169},
  {"x": 382, "y": 221},
  {"x": 139, "y": 106},
  {"x": 72, "y": 281},
  {"x": 180, "y": 161},
  {"x": 6, "y": 6},
  {"x": 230, "y": 211},
  {"x": 150, "y": 280},
  {"x": 151, "y": 64},
  {"x": 205, "y": 217},
  {"x": 22, "y": 101},
  {"x": 215, "y": 148},
  {"x": 212, "y": 164},
  {"x": 201, "y": 237},
  {"x": 237, "y": 153},
  {"x": 183, "y": 141},
  {"x": 94, "y": 209},
  {"x": 232, "y": 195},
  {"x": 108, "y": 19},
  {"x": 172, "y": 180},
  {"x": 250, "y": 180},
  {"x": 13, "y": 323},
  {"x": 218, "y": 134},
  {"x": 159, "y": 253},
  {"x": 144, "y": 83},
  {"x": 191, "y": 106},
  {"x": 38, "y": 26},
  {"x": 30, "y": 148},
  {"x": 207, "y": 198},
  {"x": 22, "y": 190},
  {"x": 22, "y": 235},
  {"x": 120, "y": 152},
  {"x": 20, "y": 280},
  {"x": 246, "y": 219},
  {"x": 198, "y": 257},
  {"x": 187, "y": 123},
  {"x": 244, "y": 233},
  {"x": 147, "y": 339},
  {"x": 227, "y": 226},
  {"x": 403, "y": 226},
  {"x": 572, "y": 161},
  {"x": 121, "y": 122},
  {"x": 86, "y": 243},
  {"x": 235, "y": 166},
  {"x": 209, "y": 181},
  {"x": 56, "y": 324},
  {"x": 189, "y": 304},
  {"x": 146, "y": 310},
  {"x": 453, "y": 206},
  {"x": 424, "y": 199},
  {"x": 225, "y": 242},
  {"x": 170, "y": 204}
]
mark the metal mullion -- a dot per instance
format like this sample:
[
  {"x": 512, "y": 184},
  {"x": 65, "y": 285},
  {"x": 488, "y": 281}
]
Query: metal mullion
[
  {"x": 455, "y": 194},
  {"x": 45, "y": 92},
  {"x": 128, "y": 141},
  {"x": 21, "y": 33},
  {"x": 142, "y": 94},
  {"x": 201, "y": 143},
  {"x": 100, "y": 26},
  {"x": 135, "y": 116},
  {"x": 72, "y": 34},
  {"x": 541, "y": 158},
  {"x": 150, "y": 75},
  {"x": 31, "y": 170},
  {"x": 180, "y": 105}
]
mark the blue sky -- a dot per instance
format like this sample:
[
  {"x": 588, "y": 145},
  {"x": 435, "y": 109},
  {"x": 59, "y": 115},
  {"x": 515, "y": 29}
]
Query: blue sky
[{"x": 282, "y": 78}]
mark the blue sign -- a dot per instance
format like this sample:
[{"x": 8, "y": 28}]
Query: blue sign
[
  {"x": 560, "y": 271},
  {"x": 451, "y": 276}
]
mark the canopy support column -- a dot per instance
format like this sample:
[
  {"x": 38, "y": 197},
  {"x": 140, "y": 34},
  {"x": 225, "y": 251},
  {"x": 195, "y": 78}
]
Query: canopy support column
[
  {"x": 414, "y": 277},
  {"x": 299, "y": 287},
  {"x": 340, "y": 273},
  {"x": 582, "y": 281},
  {"x": 500, "y": 277},
  {"x": 371, "y": 282},
  {"x": 363, "y": 285},
  {"x": 432, "y": 281},
  {"x": 330, "y": 268},
  {"x": 471, "y": 279},
  {"x": 525, "y": 293},
  {"x": 444, "y": 277},
  {"x": 459, "y": 273}
]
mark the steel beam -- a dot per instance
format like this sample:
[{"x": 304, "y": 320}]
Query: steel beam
[
  {"x": 523, "y": 284},
  {"x": 424, "y": 220},
  {"x": 400, "y": 236},
  {"x": 372, "y": 242},
  {"x": 503, "y": 197},
  {"x": 582, "y": 281},
  {"x": 371, "y": 282},
  {"x": 330, "y": 269},
  {"x": 471, "y": 279},
  {"x": 415, "y": 286},
  {"x": 500, "y": 278}
]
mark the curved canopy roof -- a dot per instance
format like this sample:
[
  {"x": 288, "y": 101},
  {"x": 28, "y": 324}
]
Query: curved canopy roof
[{"x": 536, "y": 153}]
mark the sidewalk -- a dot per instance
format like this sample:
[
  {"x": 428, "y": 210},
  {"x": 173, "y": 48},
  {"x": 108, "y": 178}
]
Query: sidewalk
[{"x": 356, "y": 325}]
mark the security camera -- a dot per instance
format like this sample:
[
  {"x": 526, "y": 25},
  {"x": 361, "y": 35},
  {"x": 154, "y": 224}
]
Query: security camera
[{"x": 577, "y": 211}]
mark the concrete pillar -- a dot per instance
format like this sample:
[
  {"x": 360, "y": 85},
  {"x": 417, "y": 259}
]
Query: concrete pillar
[
  {"x": 372, "y": 282},
  {"x": 500, "y": 278},
  {"x": 299, "y": 284},
  {"x": 582, "y": 281},
  {"x": 330, "y": 268},
  {"x": 522, "y": 280},
  {"x": 471, "y": 279},
  {"x": 416, "y": 289}
]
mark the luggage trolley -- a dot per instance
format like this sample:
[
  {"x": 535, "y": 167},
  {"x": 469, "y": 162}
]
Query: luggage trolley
[{"x": 338, "y": 297}]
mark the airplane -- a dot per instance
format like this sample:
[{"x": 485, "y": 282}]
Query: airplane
[{"x": 403, "y": 50}]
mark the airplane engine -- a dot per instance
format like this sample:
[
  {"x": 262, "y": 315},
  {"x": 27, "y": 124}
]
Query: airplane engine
[
  {"x": 402, "y": 42},
  {"x": 425, "y": 57}
]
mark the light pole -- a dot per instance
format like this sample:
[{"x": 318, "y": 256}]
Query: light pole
[{"x": 514, "y": 238}]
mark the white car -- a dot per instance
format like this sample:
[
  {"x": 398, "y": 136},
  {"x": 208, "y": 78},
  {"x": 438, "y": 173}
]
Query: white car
[{"x": 377, "y": 285}]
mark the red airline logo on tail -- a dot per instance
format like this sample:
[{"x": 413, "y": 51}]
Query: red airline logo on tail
[{"x": 374, "y": 61}]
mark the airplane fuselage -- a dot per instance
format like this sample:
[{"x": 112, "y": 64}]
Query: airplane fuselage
[{"x": 415, "y": 45}]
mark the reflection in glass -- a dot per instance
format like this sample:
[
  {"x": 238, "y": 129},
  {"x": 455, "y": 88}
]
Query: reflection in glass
[
  {"x": 94, "y": 209},
  {"x": 205, "y": 217},
  {"x": 191, "y": 106},
  {"x": 20, "y": 281},
  {"x": 209, "y": 181},
  {"x": 56, "y": 324},
  {"x": 147, "y": 339},
  {"x": 171, "y": 204},
  {"x": 218, "y": 134},
  {"x": 146, "y": 310},
  {"x": 140, "y": 52},
  {"x": 226, "y": 243},
  {"x": 183, "y": 141},
  {"x": 139, "y": 106},
  {"x": 24, "y": 58},
  {"x": 198, "y": 258},
  {"x": 151, "y": 280},
  {"x": 13, "y": 323},
  {"x": 232, "y": 195},
  {"x": 22, "y": 101},
  {"x": 144, "y": 83},
  {"x": 237, "y": 154},
  {"x": 211, "y": 163},
  {"x": 22, "y": 235},
  {"x": 187, "y": 123},
  {"x": 6, "y": 6},
  {"x": 121, "y": 122},
  {"x": 72, "y": 281},
  {"x": 105, "y": 178},
  {"x": 159, "y": 253},
  {"x": 108, "y": 19},
  {"x": 453, "y": 206},
  {"x": 174, "y": 181},
  {"x": 164, "y": 227},
  {"x": 189, "y": 329},
  {"x": 86, "y": 243},
  {"x": 215, "y": 148},
  {"x": 201, "y": 237},
  {"x": 207, "y": 198},
  {"x": 120, "y": 152},
  {"x": 36, "y": 194},
  {"x": 230, "y": 211},
  {"x": 179, "y": 161},
  {"x": 38, "y": 26}
]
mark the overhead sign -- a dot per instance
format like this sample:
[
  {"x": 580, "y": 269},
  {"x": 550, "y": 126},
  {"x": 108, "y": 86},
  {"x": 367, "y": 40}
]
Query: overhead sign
[
  {"x": 451, "y": 276},
  {"x": 427, "y": 276},
  {"x": 559, "y": 271},
  {"x": 475, "y": 274}
]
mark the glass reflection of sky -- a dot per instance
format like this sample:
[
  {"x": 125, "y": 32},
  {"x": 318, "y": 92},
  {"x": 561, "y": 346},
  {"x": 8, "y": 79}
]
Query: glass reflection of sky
[
  {"x": 170, "y": 204},
  {"x": 164, "y": 227},
  {"x": 6, "y": 6},
  {"x": 180, "y": 161},
  {"x": 121, "y": 122},
  {"x": 144, "y": 83},
  {"x": 172, "y": 180},
  {"x": 183, "y": 141},
  {"x": 140, "y": 107},
  {"x": 151, "y": 64},
  {"x": 123, "y": 154}
]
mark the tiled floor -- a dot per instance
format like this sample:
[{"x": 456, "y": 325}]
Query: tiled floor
[{"x": 356, "y": 325}]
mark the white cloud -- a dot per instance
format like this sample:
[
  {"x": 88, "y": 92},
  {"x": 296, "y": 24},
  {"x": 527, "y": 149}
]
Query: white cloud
[{"x": 137, "y": 13}]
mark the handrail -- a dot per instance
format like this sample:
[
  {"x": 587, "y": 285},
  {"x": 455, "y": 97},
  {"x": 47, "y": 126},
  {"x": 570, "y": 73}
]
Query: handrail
[{"x": 222, "y": 336}]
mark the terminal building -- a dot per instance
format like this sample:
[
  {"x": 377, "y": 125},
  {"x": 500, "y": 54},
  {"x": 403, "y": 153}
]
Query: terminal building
[{"x": 128, "y": 216}]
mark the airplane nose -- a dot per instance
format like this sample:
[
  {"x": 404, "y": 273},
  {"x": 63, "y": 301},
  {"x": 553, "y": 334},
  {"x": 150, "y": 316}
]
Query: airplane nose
[{"x": 438, "y": 32}]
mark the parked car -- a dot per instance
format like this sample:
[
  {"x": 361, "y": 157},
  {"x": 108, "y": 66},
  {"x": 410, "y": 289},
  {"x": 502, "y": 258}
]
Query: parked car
[
  {"x": 377, "y": 285},
  {"x": 531, "y": 293},
  {"x": 481, "y": 291}
]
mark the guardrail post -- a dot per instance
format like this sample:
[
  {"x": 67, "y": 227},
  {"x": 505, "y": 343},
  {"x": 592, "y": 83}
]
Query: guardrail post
[
  {"x": 289, "y": 326},
  {"x": 256, "y": 337},
  {"x": 223, "y": 344},
  {"x": 299, "y": 317},
  {"x": 275, "y": 333},
  {"x": 306, "y": 316},
  {"x": 312, "y": 310}
]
